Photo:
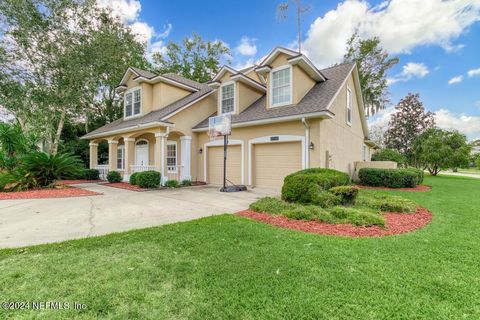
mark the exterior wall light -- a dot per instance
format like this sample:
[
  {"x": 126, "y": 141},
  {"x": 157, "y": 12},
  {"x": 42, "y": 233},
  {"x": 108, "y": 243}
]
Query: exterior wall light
[
  {"x": 200, "y": 151},
  {"x": 311, "y": 146}
]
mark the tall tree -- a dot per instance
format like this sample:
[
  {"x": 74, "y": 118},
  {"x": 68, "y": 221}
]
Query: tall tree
[
  {"x": 406, "y": 124},
  {"x": 438, "y": 149},
  {"x": 373, "y": 63},
  {"x": 194, "y": 58},
  {"x": 300, "y": 9},
  {"x": 58, "y": 57}
]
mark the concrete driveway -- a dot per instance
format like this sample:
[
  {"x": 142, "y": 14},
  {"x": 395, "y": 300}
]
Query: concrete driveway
[{"x": 30, "y": 222}]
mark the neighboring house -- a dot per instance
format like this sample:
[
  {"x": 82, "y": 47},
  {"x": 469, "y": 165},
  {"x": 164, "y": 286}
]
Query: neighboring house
[{"x": 286, "y": 116}]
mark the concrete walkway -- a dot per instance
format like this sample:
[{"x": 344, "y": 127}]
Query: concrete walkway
[{"x": 29, "y": 222}]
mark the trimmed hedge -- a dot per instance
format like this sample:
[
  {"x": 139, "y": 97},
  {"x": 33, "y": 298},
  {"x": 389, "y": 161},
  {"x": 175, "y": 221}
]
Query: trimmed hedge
[
  {"x": 133, "y": 178},
  {"x": 419, "y": 174},
  {"x": 171, "y": 184},
  {"x": 347, "y": 194},
  {"x": 390, "y": 178},
  {"x": 148, "y": 179},
  {"x": 114, "y": 176},
  {"x": 306, "y": 186},
  {"x": 91, "y": 174}
]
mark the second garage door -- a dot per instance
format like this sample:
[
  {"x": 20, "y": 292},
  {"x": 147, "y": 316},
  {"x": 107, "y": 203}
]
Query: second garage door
[
  {"x": 215, "y": 165},
  {"x": 273, "y": 161}
]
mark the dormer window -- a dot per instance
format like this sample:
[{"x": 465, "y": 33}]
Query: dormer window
[
  {"x": 133, "y": 102},
  {"x": 349, "y": 106},
  {"x": 281, "y": 86},
  {"x": 228, "y": 98}
]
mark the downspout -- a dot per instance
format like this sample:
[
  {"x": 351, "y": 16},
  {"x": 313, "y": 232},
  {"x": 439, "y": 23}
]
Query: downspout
[{"x": 307, "y": 143}]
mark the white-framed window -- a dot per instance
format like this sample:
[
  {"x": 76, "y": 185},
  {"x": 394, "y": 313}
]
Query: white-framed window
[
  {"x": 133, "y": 102},
  {"x": 228, "y": 98},
  {"x": 281, "y": 86},
  {"x": 121, "y": 157},
  {"x": 172, "y": 155},
  {"x": 364, "y": 153},
  {"x": 349, "y": 106}
]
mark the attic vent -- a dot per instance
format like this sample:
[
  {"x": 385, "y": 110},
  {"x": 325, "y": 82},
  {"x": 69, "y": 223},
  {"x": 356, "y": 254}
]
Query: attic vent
[{"x": 274, "y": 138}]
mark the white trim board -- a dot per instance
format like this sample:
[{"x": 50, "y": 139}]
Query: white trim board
[
  {"x": 218, "y": 143},
  {"x": 278, "y": 139}
]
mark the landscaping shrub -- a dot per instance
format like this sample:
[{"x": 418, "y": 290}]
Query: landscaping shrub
[
  {"x": 358, "y": 216},
  {"x": 45, "y": 168},
  {"x": 389, "y": 155},
  {"x": 347, "y": 194},
  {"x": 326, "y": 199},
  {"x": 186, "y": 183},
  {"x": 91, "y": 174},
  {"x": 391, "y": 178},
  {"x": 420, "y": 174},
  {"x": 148, "y": 179},
  {"x": 171, "y": 184},
  {"x": 304, "y": 186},
  {"x": 133, "y": 178},
  {"x": 387, "y": 203},
  {"x": 114, "y": 176}
]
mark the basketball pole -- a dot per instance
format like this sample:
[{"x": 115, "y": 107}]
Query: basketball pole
[{"x": 224, "y": 162}]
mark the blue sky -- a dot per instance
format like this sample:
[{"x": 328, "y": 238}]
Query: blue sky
[{"x": 437, "y": 41}]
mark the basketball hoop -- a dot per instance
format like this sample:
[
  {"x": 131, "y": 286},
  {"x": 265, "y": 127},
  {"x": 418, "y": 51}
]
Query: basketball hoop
[{"x": 217, "y": 127}]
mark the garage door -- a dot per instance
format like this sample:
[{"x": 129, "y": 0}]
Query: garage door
[
  {"x": 215, "y": 165},
  {"x": 273, "y": 161}
]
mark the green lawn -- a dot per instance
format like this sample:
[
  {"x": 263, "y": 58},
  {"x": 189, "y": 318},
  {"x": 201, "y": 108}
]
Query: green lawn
[
  {"x": 470, "y": 170},
  {"x": 226, "y": 267}
]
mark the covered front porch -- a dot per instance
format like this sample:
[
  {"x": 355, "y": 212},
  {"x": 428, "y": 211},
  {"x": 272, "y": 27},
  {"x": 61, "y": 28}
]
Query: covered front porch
[{"x": 162, "y": 150}]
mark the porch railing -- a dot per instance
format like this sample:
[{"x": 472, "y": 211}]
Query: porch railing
[
  {"x": 140, "y": 168},
  {"x": 174, "y": 172},
  {"x": 102, "y": 171}
]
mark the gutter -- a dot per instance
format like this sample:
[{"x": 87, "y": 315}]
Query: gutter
[
  {"x": 307, "y": 142},
  {"x": 128, "y": 129}
]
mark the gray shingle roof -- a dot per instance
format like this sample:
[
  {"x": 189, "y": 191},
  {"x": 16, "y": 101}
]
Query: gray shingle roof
[
  {"x": 153, "y": 116},
  {"x": 316, "y": 100},
  {"x": 144, "y": 73}
]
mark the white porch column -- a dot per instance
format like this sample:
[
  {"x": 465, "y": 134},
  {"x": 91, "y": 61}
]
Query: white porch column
[
  {"x": 129, "y": 156},
  {"x": 185, "y": 154},
  {"x": 160, "y": 154},
  {"x": 112, "y": 155},
  {"x": 93, "y": 155}
]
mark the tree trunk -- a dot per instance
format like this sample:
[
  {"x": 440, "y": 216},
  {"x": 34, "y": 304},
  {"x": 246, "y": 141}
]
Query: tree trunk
[{"x": 56, "y": 140}]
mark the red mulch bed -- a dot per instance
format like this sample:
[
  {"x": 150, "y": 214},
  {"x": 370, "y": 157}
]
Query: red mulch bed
[
  {"x": 48, "y": 193},
  {"x": 127, "y": 186},
  {"x": 79, "y": 181},
  {"x": 395, "y": 223},
  {"x": 419, "y": 188}
]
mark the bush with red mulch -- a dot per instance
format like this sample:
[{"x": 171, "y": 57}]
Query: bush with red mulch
[
  {"x": 66, "y": 192},
  {"x": 419, "y": 188},
  {"x": 395, "y": 223}
]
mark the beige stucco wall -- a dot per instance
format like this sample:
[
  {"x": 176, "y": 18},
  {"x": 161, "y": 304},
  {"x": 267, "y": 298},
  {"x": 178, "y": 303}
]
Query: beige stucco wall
[
  {"x": 246, "y": 96},
  {"x": 254, "y": 76},
  {"x": 190, "y": 117},
  {"x": 165, "y": 94},
  {"x": 342, "y": 141},
  {"x": 301, "y": 81}
]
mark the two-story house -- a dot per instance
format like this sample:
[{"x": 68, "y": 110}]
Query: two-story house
[{"x": 286, "y": 116}]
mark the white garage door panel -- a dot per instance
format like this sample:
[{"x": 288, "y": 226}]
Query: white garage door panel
[
  {"x": 215, "y": 165},
  {"x": 273, "y": 161}
]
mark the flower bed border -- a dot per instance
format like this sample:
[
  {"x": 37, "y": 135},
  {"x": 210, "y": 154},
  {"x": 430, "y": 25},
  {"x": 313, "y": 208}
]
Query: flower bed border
[
  {"x": 68, "y": 192},
  {"x": 395, "y": 223},
  {"x": 76, "y": 181},
  {"x": 419, "y": 188}
]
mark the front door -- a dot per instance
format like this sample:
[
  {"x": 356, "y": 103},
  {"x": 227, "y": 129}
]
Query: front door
[{"x": 141, "y": 153}]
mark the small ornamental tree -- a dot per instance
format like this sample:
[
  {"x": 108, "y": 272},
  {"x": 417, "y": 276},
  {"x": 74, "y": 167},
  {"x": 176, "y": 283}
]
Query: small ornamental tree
[
  {"x": 438, "y": 149},
  {"x": 406, "y": 124},
  {"x": 389, "y": 155}
]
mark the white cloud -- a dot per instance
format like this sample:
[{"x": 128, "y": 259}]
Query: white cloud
[
  {"x": 468, "y": 125},
  {"x": 143, "y": 31},
  {"x": 409, "y": 71},
  {"x": 401, "y": 26},
  {"x": 474, "y": 72},
  {"x": 126, "y": 10},
  {"x": 456, "y": 79},
  {"x": 381, "y": 118},
  {"x": 247, "y": 47},
  {"x": 245, "y": 64}
]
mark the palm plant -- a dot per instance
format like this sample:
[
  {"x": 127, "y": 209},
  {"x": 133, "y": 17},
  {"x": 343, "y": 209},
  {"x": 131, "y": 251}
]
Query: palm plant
[
  {"x": 13, "y": 144},
  {"x": 46, "y": 168}
]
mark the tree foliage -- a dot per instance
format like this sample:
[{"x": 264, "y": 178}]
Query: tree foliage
[
  {"x": 194, "y": 58},
  {"x": 373, "y": 63},
  {"x": 437, "y": 149},
  {"x": 60, "y": 61},
  {"x": 406, "y": 124},
  {"x": 389, "y": 155},
  {"x": 14, "y": 144}
]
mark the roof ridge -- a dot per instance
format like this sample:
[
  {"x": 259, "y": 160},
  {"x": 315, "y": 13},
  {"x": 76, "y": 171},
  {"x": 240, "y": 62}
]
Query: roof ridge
[{"x": 336, "y": 66}]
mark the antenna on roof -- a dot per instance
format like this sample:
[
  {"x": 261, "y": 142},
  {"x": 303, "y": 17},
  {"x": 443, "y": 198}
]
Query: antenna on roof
[{"x": 282, "y": 15}]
